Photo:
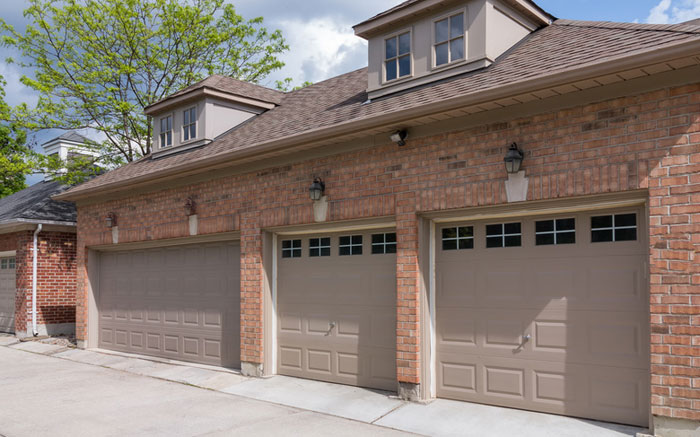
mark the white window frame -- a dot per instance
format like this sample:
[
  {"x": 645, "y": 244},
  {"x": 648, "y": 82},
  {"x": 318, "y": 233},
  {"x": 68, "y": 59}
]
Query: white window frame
[
  {"x": 161, "y": 132},
  {"x": 292, "y": 248},
  {"x": 320, "y": 247},
  {"x": 433, "y": 60},
  {"x": 352, "y": 245},
  {"x": 186, "y": 126},
  {"x": 457, "y": 238},
  {"x": 614, "y": 227},
  {"x": 503, "y": 235},
  {"x": 8, "y": 263},
  {"x": 556, "y": 232},
  {"x": 398, "y": 78},
  {"x": 384, "y": 244}
]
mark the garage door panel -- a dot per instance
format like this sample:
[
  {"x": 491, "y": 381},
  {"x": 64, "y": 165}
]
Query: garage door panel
[
  {"x": 337, "y": 315},
  {"x": 609, "y": 393},
  {"x": 461, "y": 280},
  {"x": 561, "y": 329},
  {"x": 177, "y": 321},
  {"x": 612, "y": 338}
]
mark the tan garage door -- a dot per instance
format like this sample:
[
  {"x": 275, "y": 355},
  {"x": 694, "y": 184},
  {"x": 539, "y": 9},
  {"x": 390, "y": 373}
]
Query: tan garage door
[
  {"x": 546, "y": 314},
  {"x": 7, "y": 294},
  {"x": 336, "y": 303},
  {"x": 178, "y": 302}
]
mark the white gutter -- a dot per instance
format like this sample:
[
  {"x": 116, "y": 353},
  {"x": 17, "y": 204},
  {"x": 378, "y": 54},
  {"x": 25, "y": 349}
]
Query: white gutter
[{"x": 35, "y": 254}]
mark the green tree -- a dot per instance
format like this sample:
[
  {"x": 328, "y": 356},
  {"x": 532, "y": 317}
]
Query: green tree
[
  {"x": 16, "y": 158},
  {"x": 98, "y": 63},
  {"x": 286, "y": 85}
]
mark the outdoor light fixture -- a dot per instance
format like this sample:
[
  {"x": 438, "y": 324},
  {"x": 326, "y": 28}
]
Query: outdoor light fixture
[
  {"x": 111, "y": 220},
  {"x": 190, "y": 206},
  {"x": 513, "y": 159},
  {"x": 316, "y": 189},
  {"x": 399, "y": 137}
]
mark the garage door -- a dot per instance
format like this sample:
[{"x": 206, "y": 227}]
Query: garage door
[
  {"x": 7, "y": 294},
  {"x": 336, "y": 303},
  {"x": 546, "y": 314},
  {"x": 178, "y": 302}
]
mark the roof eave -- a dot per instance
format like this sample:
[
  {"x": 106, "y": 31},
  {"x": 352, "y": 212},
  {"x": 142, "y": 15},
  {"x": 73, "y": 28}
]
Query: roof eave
[
  {"x": 370, "y": 27},
  {"x": 612, "y": 65},
  {"x": 205, "y": 91},
  {"x": 20, "y": 224}
]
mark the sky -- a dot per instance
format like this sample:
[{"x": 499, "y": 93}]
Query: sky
[{"x": 322, "y": 42}]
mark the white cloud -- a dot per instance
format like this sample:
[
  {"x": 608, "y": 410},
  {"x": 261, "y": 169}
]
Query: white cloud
[
  {"x": 319, "y": 48},
  {"x": 16, "y": 92},
  {"x": 674, "y": 11}
]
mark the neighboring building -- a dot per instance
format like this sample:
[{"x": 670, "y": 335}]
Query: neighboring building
[
  {"x": 28, "y": 216},
  {"x": 421, "y": 265}
]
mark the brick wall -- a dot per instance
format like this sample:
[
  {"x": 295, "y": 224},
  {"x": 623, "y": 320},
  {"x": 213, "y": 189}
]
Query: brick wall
[
  {"x": 8, "y": 242},
  {"x": 56, "y": 278},
  {"x": 650, "y": 140}
]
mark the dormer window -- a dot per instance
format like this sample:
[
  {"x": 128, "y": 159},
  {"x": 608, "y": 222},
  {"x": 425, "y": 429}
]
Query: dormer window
[
  {"x": 449, "y": 39},
  {"x": 189, "y": 124},
  {"x": 166, "y": 131},
  {"x": 397, "y": 59}
]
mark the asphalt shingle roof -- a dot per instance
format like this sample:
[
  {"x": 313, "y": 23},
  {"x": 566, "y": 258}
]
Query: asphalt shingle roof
[
  {"x": 72, "y": 136},
  {"x": 232, "y": 86},
  {"x": 562, "y": 46},
  {"x": 35, "y": 203}
]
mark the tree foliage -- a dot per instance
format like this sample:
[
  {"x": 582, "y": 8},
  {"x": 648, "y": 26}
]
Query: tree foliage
[
  {"x": 98, "y": 63},
  {"x": 15, "y": 156}
]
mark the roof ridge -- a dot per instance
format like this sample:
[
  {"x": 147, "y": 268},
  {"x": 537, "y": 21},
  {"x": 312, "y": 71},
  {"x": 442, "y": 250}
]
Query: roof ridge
[
  {"x": 223, "y": 76},
  {"x": 674, "y": 28}
]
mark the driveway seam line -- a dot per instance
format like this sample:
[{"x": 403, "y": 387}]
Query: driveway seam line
[{"x": 387, "y": 413}]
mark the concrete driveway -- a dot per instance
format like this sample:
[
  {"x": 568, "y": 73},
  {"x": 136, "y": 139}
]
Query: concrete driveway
[
  {"x": 48, "y": 396},
  {"x": 52, "y": 390}
]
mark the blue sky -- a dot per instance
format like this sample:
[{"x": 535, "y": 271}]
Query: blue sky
[{"x": 322, "y": 44}]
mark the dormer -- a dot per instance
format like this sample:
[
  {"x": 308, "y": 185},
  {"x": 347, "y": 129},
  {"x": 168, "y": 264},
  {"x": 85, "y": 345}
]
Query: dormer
[
  {"x": 421, "y": 41},
  {"x": 66, "y": 147},
  {"x": 198, "y": 114}
]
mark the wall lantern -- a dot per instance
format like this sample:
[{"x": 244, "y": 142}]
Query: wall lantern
[
  {"x": 190, "y": 206},
  {"x": 317, "y": 189},
  {"x": 513, "y": 159},
  {"x": 111, "y": 220},
  {"x": 399, "y": 137}
]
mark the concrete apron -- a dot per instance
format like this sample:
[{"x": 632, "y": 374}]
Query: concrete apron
[{"x": 438, "y": 418}]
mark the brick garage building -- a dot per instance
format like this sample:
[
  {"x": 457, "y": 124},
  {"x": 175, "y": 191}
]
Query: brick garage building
[
  {"x": 21, "y": 216},
  {"x": 567, "y": 287}
]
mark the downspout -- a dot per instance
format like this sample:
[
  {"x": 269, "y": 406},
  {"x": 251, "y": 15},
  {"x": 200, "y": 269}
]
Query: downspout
[{"x": 35, "y": 254}]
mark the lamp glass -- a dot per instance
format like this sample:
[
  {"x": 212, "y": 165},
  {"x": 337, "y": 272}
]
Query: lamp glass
[
  {"x": 513, "y": 159},
  {"x": 316, "y": 190}
]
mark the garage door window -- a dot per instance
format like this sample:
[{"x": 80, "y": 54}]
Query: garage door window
[
  {"x": 291, "y": 249},
  {"x": 320, "y": 247},
  {"x": 458, "y": 238},
  {"x": 384, "y": 243},
  {"x": 618, "y": 227},
  {"x": 7, "y": 263},
  {"x": 350, "y": 245},
  {"x": 550, "y": 232},
  {"x": 503, "y": 235}
]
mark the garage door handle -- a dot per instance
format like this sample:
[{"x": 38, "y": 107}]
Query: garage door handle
[
  {"x": 526, "y": 338},
  {"x": 331, "y": 325}
]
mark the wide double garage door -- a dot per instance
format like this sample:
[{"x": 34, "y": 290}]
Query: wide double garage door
[
  {"x": 336, "y": 305},
  {"x": 547, "y": 313},
  {"x": 180, "y": 302}
]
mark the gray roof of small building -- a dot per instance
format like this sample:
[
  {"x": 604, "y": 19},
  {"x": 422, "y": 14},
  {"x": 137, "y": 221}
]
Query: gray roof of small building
[
  {"x": 70, "y": 136},
  {"x": 35, "y": 204}
]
